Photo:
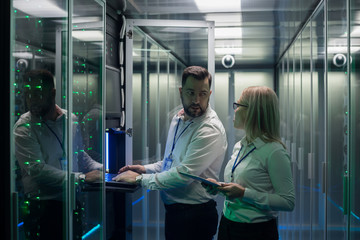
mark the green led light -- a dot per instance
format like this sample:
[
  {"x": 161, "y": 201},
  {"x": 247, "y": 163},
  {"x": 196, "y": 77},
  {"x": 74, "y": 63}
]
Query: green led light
[
  {"x": 90, "y": 148},
  {"x": 38, "y": 87},
  {"x": 82, "y": 150},
  {"x": 27, "y": 46},
  {"x": 26, "y": 163},
  {"x": 76, "y": 152},
  {"x": 346, "y": 113},
  {"x": 38, "y": 198},
  {"x": 27, "y": 17},
  {"x": 27, "y": 86},
  {"x": 37, "y": 160},
  {"x": 91, "y": 136},
  {"x": 39, "y": 21}
]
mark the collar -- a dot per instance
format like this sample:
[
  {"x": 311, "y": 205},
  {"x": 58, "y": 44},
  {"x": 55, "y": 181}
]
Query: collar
[{"x": 258, "y": 143}]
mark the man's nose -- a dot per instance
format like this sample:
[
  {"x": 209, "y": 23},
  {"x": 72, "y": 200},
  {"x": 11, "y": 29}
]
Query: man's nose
[{"x": 196, "y": 98}]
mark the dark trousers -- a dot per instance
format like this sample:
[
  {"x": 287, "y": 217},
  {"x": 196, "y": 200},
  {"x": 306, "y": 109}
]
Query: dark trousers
[
  {"x": 191, "y": 221},
  {"x": 45, "y": 219},
  {"x": 230, "y": 230}
]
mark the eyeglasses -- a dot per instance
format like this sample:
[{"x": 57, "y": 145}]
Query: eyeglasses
[{"x": 236, "y": 105}]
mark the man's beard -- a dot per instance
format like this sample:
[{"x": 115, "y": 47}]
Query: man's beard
[
  {"x": 193, "y": 114},
  {"x": 40, "y": 111}
]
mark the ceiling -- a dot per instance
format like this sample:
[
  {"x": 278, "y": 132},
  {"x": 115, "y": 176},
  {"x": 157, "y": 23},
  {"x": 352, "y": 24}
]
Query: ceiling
[{"x": 255, "y": 32}]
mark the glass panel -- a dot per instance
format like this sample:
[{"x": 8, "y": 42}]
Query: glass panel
[
  {"x": 317, "y": 119},
  {"x": 355, "y": 123},
  {"x": 87, "y": 107},
  {"x": 305, "y": 138},
  {"x": 52, "y": 202},
  {"x": 338, "y": 107},
  {"x": 156, "y": 99},
  {"x": 294, "y": 148},
  {"x": 40, "y": 137}
]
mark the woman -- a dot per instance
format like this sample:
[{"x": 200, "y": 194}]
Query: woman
[{"x": 258, "y": 178}]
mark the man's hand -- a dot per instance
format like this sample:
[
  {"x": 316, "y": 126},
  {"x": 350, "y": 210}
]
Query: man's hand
[
  {"x": 232, "y": 190},
  {"x": 93, "y": 176},
  {"x": 128, "y": 176},
  {"x": 135, "y": 168}
]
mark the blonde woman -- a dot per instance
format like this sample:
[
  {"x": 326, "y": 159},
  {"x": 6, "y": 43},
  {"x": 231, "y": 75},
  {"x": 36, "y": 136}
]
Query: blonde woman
[{"x": 258, "y": 178}]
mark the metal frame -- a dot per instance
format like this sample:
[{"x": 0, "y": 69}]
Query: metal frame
[{"x": 130, "y": 24}]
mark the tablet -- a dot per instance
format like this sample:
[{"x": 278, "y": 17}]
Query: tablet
[{"x": 203, "y": 180}]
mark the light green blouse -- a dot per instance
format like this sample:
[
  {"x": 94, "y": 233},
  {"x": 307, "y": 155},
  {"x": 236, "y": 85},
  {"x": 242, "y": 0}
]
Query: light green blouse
[{"x": 266, "y": 175}]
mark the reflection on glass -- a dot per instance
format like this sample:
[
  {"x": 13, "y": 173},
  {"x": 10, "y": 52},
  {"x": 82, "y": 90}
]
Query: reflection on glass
[{"x": 52, "y": 164}]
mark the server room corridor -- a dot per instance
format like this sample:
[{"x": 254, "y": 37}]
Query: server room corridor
[{"x": 117, "y": 67}]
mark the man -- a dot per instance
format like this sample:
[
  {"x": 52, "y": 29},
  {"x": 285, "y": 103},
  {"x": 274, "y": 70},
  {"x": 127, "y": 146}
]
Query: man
[
  {"x": 196, "y": 144},
  {"x": 41, "y": 155}
]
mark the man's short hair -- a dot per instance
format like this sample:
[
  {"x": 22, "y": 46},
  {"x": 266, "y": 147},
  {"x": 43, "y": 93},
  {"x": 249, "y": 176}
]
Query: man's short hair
[
  {"x": 45, "y": 76},
  {"x": 196, "y": 72}
]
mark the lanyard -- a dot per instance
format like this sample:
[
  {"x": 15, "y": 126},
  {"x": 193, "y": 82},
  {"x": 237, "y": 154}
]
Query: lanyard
[
  {"x": 236, "y": 163},
  {"x": 52, "y": 131},
  {"x": 175, "y": 140}
]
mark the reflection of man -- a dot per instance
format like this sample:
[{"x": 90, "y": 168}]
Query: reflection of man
[
  {"x": 196, "y": 144},
  {"x": 41, "y": 154}
]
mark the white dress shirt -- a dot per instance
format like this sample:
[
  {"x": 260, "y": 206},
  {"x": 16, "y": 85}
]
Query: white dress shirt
[
  {"x": 199, "y": 150},
  {"x": 266, "y": 175}
]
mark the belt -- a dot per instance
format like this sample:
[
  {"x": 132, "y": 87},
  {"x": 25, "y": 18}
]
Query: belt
[{"x": 184, "y": 206}]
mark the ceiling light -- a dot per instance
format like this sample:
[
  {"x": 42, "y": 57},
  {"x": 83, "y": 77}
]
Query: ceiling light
[
  {"x": 216, "y": 6},
  {"x": 228, "y": 33},
  {"x": 226, "y": 51},
  {"x": 88, "y": 36},
  {"x": 39, "y": 8}
]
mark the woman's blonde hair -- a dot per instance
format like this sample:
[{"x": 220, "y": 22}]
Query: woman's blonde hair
[{"x": 262, "y": 117}]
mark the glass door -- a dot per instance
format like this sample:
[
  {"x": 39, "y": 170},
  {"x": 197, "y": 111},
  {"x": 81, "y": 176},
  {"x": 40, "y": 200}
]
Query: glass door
[
  {"x": 337, "y": 178},
  {"x": 86, "y": 103},
  {"x": 153, "y": 78},
  {"x": 354, "y": 130},
  {"x": 56, "y": 77}
]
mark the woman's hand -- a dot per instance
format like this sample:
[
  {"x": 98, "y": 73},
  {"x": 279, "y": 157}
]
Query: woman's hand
[
  {"x": 232, "y": 190},
  {"x": 210, "y": 188}
]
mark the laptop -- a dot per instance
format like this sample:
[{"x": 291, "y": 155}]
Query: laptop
[{"x": 112, "y": 184}]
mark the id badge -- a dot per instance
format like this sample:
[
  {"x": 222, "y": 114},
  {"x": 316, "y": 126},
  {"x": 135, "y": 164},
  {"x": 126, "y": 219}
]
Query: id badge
[{"x": 167, "y": 163}]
